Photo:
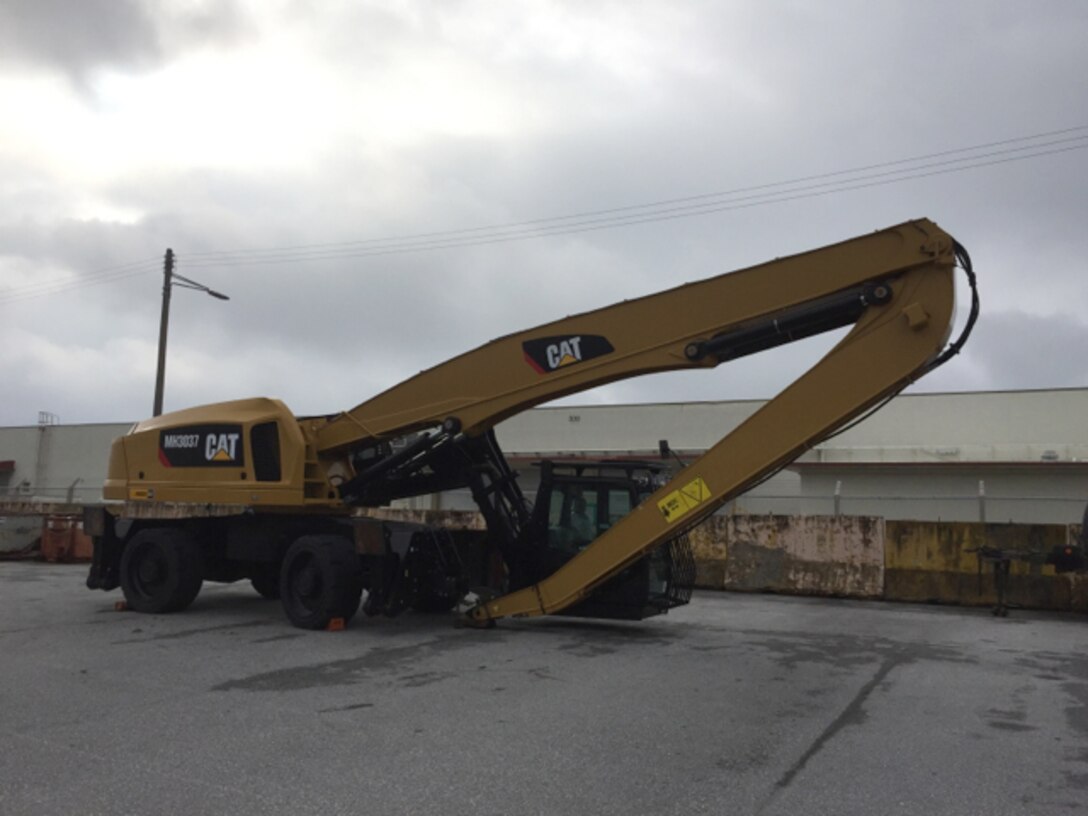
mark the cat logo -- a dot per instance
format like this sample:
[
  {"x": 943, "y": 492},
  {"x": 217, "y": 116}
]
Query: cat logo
[
  {"x": 211, "y": 445},
  {"x": 564, "y": 352},
  {"x": 221, "y": 447},
  {"x": 548, "y": 354}
]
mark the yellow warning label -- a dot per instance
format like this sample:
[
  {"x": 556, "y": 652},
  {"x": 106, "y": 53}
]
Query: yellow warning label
[
  {"x": 682, "y": 501},
  {"x": 140, "y": 493}
]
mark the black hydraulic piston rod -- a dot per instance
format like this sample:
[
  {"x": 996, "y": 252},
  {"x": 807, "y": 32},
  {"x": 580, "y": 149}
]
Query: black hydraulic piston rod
[
  {"x": 423, "y": 444},
  {"x": 833, "y": 312}
]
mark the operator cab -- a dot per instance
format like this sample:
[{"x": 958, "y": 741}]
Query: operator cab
[{"x": 579, "y": 500}]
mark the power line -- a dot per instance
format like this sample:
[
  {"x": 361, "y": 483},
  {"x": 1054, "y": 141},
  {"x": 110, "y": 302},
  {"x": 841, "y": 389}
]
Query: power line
[
  {"x": 415, "y": 240},
  {"x": 507, "y": 233},
  {"x": 872, "y": 175},
  {"x": 95, "y": 278}
]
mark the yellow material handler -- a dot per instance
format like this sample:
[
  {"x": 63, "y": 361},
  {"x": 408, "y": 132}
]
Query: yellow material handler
[{"x": 247, "y": 490}]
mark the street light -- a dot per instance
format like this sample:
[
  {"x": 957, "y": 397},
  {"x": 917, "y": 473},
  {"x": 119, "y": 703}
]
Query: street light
[{"x": 170, "y": 280}]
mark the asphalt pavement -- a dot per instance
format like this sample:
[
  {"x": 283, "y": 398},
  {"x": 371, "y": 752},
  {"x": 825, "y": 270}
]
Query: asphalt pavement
[{"x": 738, "y": 704}]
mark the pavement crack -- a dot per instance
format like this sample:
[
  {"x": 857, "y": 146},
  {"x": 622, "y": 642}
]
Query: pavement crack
[{"x": 852, "y": 714}]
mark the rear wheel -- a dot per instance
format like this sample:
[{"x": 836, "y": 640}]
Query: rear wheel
[
  {"x": 320, "y": 580},
  {"x": 161, "y": 570}
]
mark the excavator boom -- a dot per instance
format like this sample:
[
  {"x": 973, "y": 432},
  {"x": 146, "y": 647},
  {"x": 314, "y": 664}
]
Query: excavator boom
[
  {"x": 895, "y": 286},
  {"x": 650, "y": 334}
]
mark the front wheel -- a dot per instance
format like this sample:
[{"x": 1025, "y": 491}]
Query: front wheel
[
  {"x": 320, "y": 580},
  {"x": 161, "y": 570}
]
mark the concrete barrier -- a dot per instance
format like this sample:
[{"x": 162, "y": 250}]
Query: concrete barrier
[
  {"x": 938, "y": 562},
  {"x": 819, "y": 555}
]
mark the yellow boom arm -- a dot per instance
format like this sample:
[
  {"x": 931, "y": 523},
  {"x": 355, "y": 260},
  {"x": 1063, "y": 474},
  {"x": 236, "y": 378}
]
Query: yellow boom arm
[
  {"x": 895, "y": 286},
  {"x": 506, "y": 376}
]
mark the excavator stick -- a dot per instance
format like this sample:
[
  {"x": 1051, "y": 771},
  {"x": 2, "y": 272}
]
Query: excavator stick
[{"x": 903, "y": 323}]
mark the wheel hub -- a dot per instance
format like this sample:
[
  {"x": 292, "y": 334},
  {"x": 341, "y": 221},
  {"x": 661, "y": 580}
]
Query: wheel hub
[
  {"x": 308, "y": 583},
  {"x": 149, "y": 571}
]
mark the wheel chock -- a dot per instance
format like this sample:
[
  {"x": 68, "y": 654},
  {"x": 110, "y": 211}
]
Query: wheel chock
[
  {"x": 335, "y": 625},
  {"x": 120, "y": 606}
]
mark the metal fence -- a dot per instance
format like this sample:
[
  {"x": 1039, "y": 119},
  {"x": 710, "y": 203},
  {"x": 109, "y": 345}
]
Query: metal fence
[
  {"x": 72, "y": 494},
  {"x": 974, "y": 507}
]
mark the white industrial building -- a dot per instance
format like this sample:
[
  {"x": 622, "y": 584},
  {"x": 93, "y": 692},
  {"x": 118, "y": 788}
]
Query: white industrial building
[{"x": 997, "y": 456}]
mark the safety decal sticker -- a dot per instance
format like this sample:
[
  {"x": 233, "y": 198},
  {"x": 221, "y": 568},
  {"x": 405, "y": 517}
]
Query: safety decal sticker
[
  {"x": 680, "y": 502},
  {"x": 548, "y": 354}
]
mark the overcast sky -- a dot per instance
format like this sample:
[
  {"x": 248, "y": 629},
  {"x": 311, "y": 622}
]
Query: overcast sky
[{"x": 211, "y": 127}]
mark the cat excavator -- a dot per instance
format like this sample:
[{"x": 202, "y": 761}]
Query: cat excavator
[{"x": 246, "y": 489}]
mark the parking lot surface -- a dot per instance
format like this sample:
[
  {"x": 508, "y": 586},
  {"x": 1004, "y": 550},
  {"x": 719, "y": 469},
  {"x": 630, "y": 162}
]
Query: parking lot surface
[{"x": 740, "y": 704}]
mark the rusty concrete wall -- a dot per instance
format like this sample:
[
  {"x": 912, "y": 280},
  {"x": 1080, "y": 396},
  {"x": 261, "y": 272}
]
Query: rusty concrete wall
[
  {"x": 818, "y": 555},
  {"x": 933, "y": 562}
]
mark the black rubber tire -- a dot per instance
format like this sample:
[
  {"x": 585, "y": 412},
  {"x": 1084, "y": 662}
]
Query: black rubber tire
[
  {"x": 320, "y": 580},
  {"x": 267, "y": 583},
  {"x": 161, "y": 570}
]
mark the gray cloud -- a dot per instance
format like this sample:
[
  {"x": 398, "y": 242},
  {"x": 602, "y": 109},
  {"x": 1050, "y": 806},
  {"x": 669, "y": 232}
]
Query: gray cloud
[
  {"x": 79, "y": 37},
  {"x": 74, "y": 36},
  {"x": 684, "y": 100}
]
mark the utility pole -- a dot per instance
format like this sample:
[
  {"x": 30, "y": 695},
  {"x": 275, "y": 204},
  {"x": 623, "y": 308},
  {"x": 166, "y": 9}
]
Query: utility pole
[
  {"x": 160, "y": 373},
  {"x": 170, "y": 279}
]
